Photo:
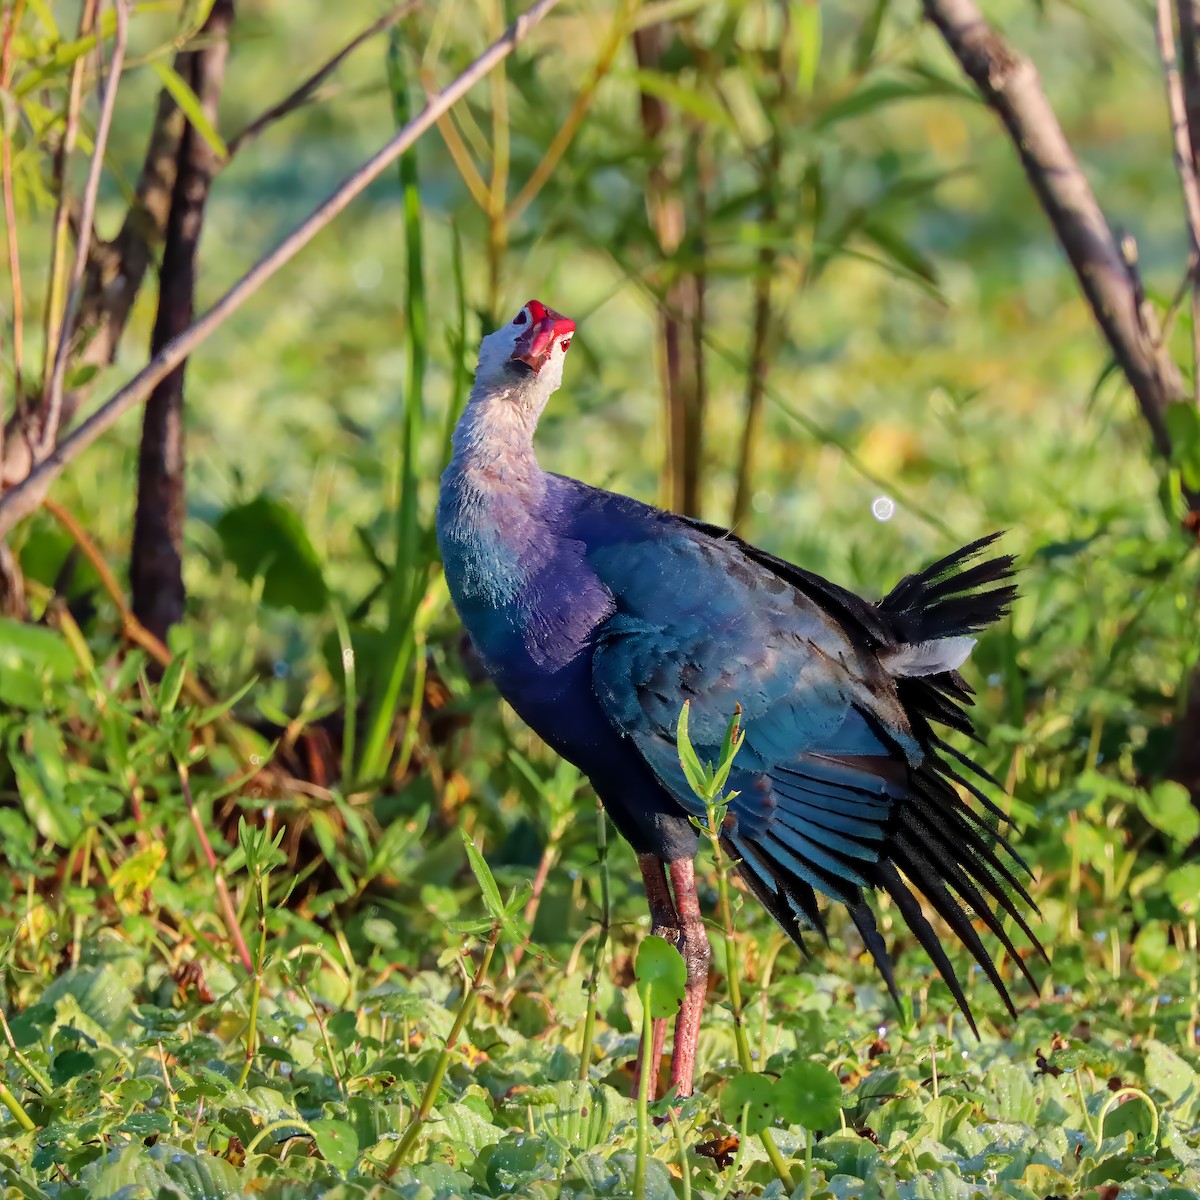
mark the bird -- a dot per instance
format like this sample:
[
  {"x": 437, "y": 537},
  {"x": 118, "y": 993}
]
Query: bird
[{"x": 598, "y": 617}]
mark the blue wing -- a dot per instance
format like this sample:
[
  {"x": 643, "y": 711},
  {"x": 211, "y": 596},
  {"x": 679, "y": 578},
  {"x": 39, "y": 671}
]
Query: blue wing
[
  {"x": 842, "y": 782},
  {"x": 827, "y": 744}
]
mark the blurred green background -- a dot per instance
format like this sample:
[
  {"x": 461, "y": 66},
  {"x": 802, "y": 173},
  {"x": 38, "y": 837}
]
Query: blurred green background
[{"x": 929, "y": 360}]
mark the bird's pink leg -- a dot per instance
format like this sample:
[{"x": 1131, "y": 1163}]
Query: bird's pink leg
[
  {"x": 693, "y": 945},
  {"x": 664, "y": 923}
]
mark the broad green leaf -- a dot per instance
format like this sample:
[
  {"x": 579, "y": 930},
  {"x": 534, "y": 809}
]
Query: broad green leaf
[
  {"x": 809, "y": 1094},
  {"x": 758, "y": 1092},
  {"x": 661, "y": 975},
  {"x": 337, "y": 1142},
  {"x": 69, "y": 1063},
  {"x": 32, "y": 658},
  {"x": 1183, "y": 887},
  {"x": 343, "y": 1029},
  {"x": 136, "y": 874},
  {"x": 1167, "y": 1072},
  {"x": 265, "y": 537},
  {"x": 576, "y": 1113},
  {"x": 1169, "y": 807},
  {"x": 183, "y": 95},
  {"x": 101, "y": 993}
]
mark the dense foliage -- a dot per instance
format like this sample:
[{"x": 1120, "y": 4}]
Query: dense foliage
[{"x": 307, "y": 904}]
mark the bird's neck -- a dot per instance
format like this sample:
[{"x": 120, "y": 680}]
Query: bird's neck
[
  {"x": 490, "y": 524},
  {"x": 493, "y": 445}
]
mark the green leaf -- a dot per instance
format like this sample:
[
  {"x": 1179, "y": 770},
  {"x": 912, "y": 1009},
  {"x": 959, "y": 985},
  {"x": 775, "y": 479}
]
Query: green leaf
[
  {"x": 1167, "y": 1072},
  {"x": 867, "y": 37},
  {"x": 661, "y": 976},
  {"x": 687, "y": 100},
  {"x": 101, "y": 993},
  {"x": 337, "y": 1142},
  {"x": 343, "y": 1029},
  {"x": 1183, "y": 427},
  {"x": 758, "y": 1092},
  {"x": 265, "y": 537},
  {"x": 39, "y": 764},
  {"x": 31, "y": 659},
  {"x": 806, "y": 21},
  {"x": 189, "y": 102},
  {"x": 809, "y": 1094},
  {"x": 492, "y": 900},
  {"x": 69, "y": 1063},
  {"x": 1168, "y": 807},
  {"x": 877, "y": 93},
  {"x": 172, "y": 683},
  {"x": 137, "y": 873},
  {"x": 695, "y": 773},
  {"x": 735, "y": 735},
  {"x": 1183, "y": 887},
  {"x": 903, "y": 254}
]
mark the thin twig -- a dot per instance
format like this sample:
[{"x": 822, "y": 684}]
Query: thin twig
[
  {"x": 24, "y": 498},
  {"x": 55, "y": 298},
  {"x": 1185, "y": 164},
  {"x": 54, "y": 394},
  {"x": 231, "y": 921},
  {"x": 10, "y": 216},
  {"x": 304, "y": 93}
]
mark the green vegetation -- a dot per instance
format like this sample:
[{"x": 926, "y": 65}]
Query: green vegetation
[{"x": 294, "y": 906}]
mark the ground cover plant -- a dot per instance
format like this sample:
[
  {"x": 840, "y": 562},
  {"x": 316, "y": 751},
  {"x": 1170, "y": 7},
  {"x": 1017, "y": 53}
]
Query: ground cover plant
[{"x": 292, "y": 906}]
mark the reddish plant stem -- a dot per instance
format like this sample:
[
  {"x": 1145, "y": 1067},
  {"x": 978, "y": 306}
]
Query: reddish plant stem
[{"x": 231, "y": 921}]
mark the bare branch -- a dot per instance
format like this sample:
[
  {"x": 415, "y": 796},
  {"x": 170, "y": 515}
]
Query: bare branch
[
  {"x": 24, "y": 497},
  {"x": 1189, "y": 46},
  {"x": 156, "y": 556},
  {"x": 1185, "y": 164},
  {"x": 304, "y": 93},
  {"x": 54, "y": 393},
  {"x": 1010, "y": 86}
]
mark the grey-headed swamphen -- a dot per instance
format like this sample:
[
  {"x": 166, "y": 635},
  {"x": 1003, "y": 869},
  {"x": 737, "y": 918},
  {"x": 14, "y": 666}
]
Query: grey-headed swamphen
[{"x": 598, "y": 616}]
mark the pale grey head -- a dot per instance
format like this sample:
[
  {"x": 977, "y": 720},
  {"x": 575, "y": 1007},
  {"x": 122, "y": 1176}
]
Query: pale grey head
[{"x": 523, "y": 360}]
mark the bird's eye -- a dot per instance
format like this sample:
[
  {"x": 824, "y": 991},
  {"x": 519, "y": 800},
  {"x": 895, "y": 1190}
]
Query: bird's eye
[
  {"x": 520, "y": 318},
  {"x": 566, "y": 344}
]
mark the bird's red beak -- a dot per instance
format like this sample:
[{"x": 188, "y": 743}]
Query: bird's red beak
[{"x": 545, "y": 328}]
